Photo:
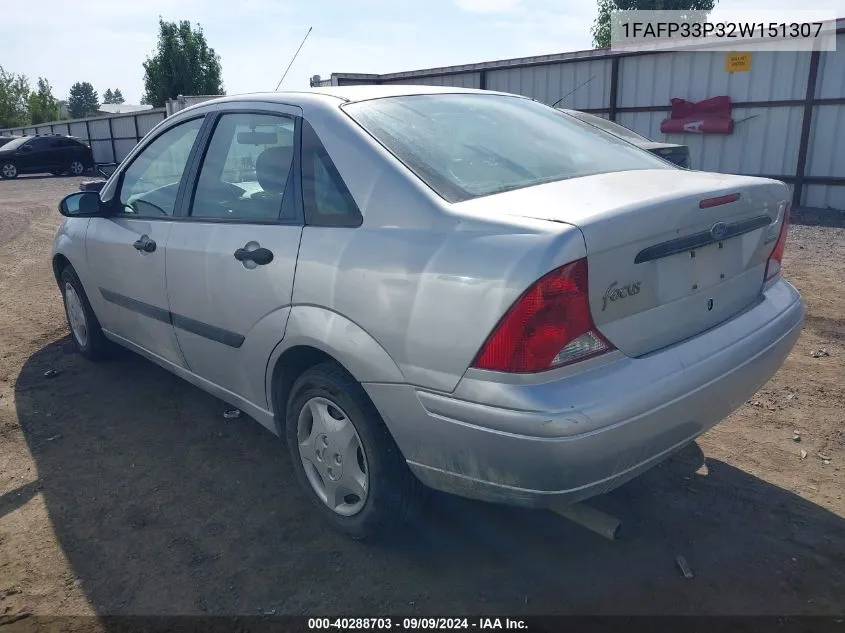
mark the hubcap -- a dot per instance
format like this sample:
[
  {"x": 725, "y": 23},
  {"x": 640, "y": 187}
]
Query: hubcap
[
  {"x": 333, "y": 456},
  {"x": 76, "y": 315},
  {"x": 76, "y": 168},
  {"x": 9, "y": 171}
]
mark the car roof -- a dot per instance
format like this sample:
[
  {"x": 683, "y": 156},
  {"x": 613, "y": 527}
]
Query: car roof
[{"x": 346, "y": 94}]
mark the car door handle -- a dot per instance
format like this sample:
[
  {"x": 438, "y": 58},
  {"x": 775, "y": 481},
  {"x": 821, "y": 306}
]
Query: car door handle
[
  {"x": 260, "y": 256},
  {"x": 145, "y": 244}
]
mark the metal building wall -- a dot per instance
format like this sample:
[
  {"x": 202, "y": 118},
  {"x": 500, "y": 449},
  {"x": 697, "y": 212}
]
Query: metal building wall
[
  {"x": 826, "y": 148},
  {"x": 651, "y": 80},
  {"x": 459, "y": 80},
  {"x": 581, "y": 86}
]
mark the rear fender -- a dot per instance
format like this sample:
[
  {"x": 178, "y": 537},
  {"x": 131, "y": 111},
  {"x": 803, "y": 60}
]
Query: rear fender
[{"x": 349, "y": 344}]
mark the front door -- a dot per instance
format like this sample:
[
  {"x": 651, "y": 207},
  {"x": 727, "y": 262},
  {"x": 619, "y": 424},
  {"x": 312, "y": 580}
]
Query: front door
[
  {"x": 231, "y": 260},
  {"x": 39, "y": 154},
  {"x": 126, "y": 251}
]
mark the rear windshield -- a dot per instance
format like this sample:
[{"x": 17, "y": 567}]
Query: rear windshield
[
  {"x": 609, "y": 126},
  {"x": 466, "y": 146}
]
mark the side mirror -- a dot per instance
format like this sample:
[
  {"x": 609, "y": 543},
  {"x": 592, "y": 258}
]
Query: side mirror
[{"x": 82, "y": 204}]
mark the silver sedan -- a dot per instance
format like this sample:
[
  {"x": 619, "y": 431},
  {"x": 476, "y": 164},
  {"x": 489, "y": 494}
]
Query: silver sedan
[{"x": 424, "y": 287}]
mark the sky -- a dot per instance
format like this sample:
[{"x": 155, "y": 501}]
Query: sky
[{"x": 105, "y": 42}]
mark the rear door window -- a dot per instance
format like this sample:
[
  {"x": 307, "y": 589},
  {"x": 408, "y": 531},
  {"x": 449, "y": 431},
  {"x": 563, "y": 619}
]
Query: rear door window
[{"x": 246, "y": 171}]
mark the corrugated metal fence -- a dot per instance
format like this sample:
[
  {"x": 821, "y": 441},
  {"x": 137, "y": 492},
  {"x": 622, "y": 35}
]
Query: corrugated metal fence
[
  {"x": 111, "y": 137},
  {"x": 789, "y": 107}
]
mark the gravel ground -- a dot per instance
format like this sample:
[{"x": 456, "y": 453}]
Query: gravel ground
[{"x": 123, "y": 490}]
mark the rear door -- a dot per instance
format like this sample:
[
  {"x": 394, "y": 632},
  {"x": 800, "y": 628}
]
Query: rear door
[
  {"x": 231, "y": 259},
  {"x": 126, "y": 252}
]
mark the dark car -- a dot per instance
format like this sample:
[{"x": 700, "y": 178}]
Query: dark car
[
  {"x": 55, "y": 154},
  {"x": 677, "y": 154},
  {"x": 6, "y": 139}
]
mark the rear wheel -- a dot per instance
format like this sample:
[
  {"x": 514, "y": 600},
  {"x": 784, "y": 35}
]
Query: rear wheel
[
  {"x": 84, "y": 327},
  {"x": 76, "y": 168},
  {"x": 344, "y": 456},
  {"x": 8, "y": 170}
]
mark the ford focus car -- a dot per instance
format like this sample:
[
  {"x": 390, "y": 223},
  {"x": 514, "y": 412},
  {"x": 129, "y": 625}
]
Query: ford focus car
[{"x": 414, "y": 291}]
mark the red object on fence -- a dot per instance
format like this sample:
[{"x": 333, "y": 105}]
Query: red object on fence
[{"x": 711, "y": 116}]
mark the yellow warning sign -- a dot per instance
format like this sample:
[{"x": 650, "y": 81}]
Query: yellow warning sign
[{"x": 737, "y": 62}]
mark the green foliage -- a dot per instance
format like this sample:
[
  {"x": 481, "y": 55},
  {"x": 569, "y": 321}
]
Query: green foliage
[
  {"x": 183, "y": 64},
  {"x": 115, "y": 96},
  {"x": 601, "y": 27},
  {"x": 14, "y": 99},
  {"x": 43, "y": 106},
  {"x": 82, "y": 101}
]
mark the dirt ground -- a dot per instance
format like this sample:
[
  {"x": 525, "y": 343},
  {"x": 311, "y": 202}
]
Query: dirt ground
[{"x": 124, "y": 491}]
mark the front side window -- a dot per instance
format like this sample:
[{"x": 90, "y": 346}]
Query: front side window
[
  {"x": 465, "y": 146},
  {"x": 42, "y": 143},
  {"x": 150, "y": 183},
  {"x": 245, "y": 173}
]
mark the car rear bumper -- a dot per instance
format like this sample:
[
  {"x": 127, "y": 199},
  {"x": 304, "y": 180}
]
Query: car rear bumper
[{"x": 578, "y": 435}]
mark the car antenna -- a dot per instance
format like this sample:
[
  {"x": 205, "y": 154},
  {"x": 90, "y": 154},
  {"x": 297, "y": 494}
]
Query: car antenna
[
  {"x": 573, "y": 90},
  {"x": 293, "y": 58}
]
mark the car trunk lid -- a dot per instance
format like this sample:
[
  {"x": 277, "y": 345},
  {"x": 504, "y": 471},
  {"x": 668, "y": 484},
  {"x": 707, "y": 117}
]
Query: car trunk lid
[{"x": 670, "y": 253}]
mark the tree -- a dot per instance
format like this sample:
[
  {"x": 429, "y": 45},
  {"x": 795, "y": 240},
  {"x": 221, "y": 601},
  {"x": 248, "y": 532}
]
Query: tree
[
  {"x": 115, "y": 96},
  {"x": 82, "y": 100},
  {"x": 183, "y": 64},
  {"x": 14, "y": 99},
  {"x": 43, "y": 106},
  {"x": 601, "y": 29}
]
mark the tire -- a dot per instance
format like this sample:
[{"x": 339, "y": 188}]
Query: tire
[
  {"x": 76, "y": 168},
  {"x": 93, "y": 345},
  {"x": 8, "y": 171},
  {"x": 391, "y": 491}
]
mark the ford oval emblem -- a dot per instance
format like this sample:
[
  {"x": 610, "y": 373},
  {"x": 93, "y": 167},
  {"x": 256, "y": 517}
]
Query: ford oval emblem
[{"x": 719, "y": 230}]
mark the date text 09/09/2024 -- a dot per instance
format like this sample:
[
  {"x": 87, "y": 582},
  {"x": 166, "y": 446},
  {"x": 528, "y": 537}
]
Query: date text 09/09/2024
[{"x": 416, "y": 624}]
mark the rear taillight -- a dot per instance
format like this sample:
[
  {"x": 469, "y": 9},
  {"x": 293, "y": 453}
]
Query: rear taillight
[
  {"x": 549, "y": 326},
  {"x": 773, "y": 264}
]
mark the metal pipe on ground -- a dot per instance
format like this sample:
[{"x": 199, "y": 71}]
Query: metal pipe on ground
[{"x": 594, "y": 520}]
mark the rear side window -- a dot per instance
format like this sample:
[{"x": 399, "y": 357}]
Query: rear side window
[
  {"x": 327, "y": 199},
  {"x": 465, "y": 146},
  {"x": 245, "y": 174}
]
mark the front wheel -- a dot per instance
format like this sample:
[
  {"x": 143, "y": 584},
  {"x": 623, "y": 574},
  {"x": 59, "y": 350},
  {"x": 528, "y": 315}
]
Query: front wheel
[
  {"x": 8, "y": 171},
  {"x": 84, "y": 327},
  {"x": 344, "y": 456},
  {"x": 76, "y": 168}
]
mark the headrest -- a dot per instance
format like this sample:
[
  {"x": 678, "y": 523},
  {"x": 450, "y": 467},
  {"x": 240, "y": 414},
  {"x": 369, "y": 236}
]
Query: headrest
[{"x": 272, "y": 167}]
